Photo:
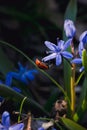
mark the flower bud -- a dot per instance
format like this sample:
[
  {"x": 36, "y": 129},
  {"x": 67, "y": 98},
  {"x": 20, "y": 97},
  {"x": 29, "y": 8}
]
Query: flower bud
[
  {"x": 83, "y": 39},
  {"x": 69, "y": 28}
]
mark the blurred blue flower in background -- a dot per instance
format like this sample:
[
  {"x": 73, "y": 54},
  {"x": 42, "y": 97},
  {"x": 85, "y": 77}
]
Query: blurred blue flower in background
[
  {"x": 5, "y": 123},
  {"x": 24, "y": 75},
  {"x": 13, "y": 87},
  {"x": 57, "y": 51},
  {"x": 69, "y": 28}
]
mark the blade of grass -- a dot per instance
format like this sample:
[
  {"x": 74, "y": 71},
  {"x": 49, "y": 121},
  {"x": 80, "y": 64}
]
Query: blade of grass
[
  {"x": 7, "y": 92},
  {"x": 16, "y": 49}
]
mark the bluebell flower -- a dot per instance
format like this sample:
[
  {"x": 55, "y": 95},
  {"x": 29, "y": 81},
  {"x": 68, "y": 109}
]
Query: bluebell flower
[
  {"x": 24, "y": 75},
  {"x": 79, "y": 60},
  {"x": 5, "y": 123},
  {"x": 69, "y": 28},
  {"x": 82, "y": 46},
  {"x": 57, "y": 51},
  {"x": 83, "y": 40}
]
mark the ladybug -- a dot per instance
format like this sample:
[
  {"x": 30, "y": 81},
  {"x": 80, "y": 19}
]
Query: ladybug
[{"x": 41, "y": 64}]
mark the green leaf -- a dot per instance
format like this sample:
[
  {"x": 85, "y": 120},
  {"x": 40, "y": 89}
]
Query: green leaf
[
  {"x": 71, "y": 125},
  {"x": 71, "y": 10},
  {"x": 67, "y": 77},
  {"x": 32, "y": 62},
  {"x": 67, "y": 82},
  {"x": 70, "y": 13},
  {"x": 7, "y": 92},
  {"x": 84, "y": 59},
  {"x": 82, "y": 106}
]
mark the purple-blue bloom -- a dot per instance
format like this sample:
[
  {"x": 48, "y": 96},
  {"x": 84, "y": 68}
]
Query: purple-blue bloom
[
  {"x": 41, "y": 128},
  {"x": 24, "y": 75},
  {"x": 82, "y": 46},
  {"x": 69, "y": 28},
  {"x": 5, "y": 123},
  {"x": 83, "y": 37},
  {"x": 79, "y": 60},
  {"x": 83, "y": 40},
  {"x": 57, "y": 51}
]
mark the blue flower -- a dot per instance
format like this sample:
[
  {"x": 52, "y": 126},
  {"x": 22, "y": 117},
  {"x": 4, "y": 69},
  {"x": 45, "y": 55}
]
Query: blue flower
[
  {"x": 82, "y": 46},
  {"x": 57, "y": 51},
  {"x": 5, "y": 123},
  {"x": 79, "y": 60},
  {"x": 83, "y": 40},
  {"x": 69, "y": 28},
  {"x": 24, "y": 75}
]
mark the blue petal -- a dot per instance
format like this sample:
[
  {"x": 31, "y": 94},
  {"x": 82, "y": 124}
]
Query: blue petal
[
  {"x": 49, "y": 57},
  {"x": 2, "y": 127},
  {"x": 67, "y": 55},
  {"x": 58, "y": 59},
  {"x": 50, "y": 45},
  {"x": 21, "y": 68},
  {"x": 6, "y": 119},
  {"x": 77, "y": 61},
  {"x": 17, "y": 127},
  {"x": 60, "y": 44},
  {"x": 23, "y": 79},
  {"x": 80, "y": 48},
  {"x": 30, "y": 74},
  {"x": 67, "y": 43},
  {"x": 81, "y": 69},
  {"x": 83, "y": 37},
  {"x": 41, "y": 128},
  {"x": 8, "y": 81}
]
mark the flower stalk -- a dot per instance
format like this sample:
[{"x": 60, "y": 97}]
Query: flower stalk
[
  {"x": 73, "y": 82},
  {"x": 73, "y": 89}
]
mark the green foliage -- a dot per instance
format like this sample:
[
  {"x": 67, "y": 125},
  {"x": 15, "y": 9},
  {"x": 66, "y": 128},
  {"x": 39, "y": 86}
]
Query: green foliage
[
  {"x": 84, "y": 59},
  {"x": 42, "y": 31},
  {"x": 70, "y": 13},
  {"x": 82, "y": 106},
  {"x": 71, "y": 125},
  {"x": 9, "y": 93}
]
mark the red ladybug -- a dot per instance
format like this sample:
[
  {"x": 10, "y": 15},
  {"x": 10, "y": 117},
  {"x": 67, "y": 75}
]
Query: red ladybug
[{"x": 41, "y": 64}]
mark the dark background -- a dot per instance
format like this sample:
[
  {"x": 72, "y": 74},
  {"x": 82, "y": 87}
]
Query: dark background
[{"x": 26, "y": 24}]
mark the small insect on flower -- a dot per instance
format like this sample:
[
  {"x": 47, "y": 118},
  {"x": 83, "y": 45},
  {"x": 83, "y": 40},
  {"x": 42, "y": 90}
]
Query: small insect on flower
[{"x": 41, "y": 64}]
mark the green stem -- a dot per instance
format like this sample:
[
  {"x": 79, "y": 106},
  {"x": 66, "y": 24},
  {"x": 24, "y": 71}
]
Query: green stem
[
  {"x": 17, "y": 50},
  {"x": 79, "y": 78},
  {"x": 57, "y": 84},
  {"x": 21, "y": 106},
  {"x": 73, "y": 89}
]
